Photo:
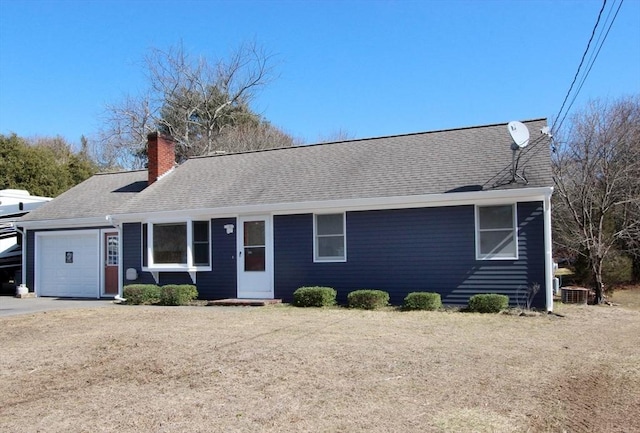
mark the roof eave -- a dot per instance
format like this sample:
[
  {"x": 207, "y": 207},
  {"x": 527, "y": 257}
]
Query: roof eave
[
  {"x": 100, "y": 221},
  {"x": 359, "y": 204}
]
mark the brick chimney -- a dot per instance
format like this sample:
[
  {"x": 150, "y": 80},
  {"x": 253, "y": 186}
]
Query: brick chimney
[{"x": 161, "y": 154}]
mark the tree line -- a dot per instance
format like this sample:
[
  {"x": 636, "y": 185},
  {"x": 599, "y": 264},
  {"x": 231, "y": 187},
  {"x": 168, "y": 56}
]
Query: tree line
[{"x": 45, "y": 167}]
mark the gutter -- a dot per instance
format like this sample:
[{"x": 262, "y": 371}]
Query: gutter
[{"x": 358, "y": 204}]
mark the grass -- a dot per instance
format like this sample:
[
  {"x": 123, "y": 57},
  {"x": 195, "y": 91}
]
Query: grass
[
  {"x": 285, "y": 369},
  {"x": 628, "y": 297}
]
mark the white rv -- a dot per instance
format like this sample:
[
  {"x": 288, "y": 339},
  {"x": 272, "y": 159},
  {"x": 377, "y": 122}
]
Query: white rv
[{"x": 13, "y": 204}]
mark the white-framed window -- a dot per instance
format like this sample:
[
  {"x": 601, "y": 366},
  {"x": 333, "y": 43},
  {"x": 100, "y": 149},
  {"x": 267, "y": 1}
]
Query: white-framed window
[
  {"x": 496, "y": 232},
  {"x": 180, "y": 244},
  {"x": 329, "y": 237}
]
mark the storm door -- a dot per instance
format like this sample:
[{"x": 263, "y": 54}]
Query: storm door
[{"x": 255, "y": 257}]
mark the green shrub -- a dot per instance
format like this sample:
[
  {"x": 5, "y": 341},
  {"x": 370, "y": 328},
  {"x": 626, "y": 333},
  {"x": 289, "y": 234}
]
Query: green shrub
[
  {"x": 422, "y": 301},
  {"x": 138, "y": 294},
  {"x": 177, "y": 294},
  {"x": 314, "y": 297},
  {"x": 488, "y": 303},
  {"x": 368, "y": 299}
]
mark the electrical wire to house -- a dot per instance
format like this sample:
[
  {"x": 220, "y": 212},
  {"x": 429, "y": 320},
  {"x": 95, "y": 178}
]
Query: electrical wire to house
[{"x": 600, "y": 35}]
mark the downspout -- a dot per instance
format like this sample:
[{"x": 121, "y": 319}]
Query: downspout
[
  {"x": 110, "y": 220},
  {"x": 548, "y": 252}
]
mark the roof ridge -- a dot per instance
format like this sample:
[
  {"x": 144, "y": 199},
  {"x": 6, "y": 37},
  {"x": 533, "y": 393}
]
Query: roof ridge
[
  {"x": 120, "y": 172},
  {"x": 218, "y": 155}
]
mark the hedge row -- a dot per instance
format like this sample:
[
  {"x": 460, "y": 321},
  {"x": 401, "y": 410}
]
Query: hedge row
[
  {"x": 318, "y": 296},
  {"x": 171, "y": 294}
]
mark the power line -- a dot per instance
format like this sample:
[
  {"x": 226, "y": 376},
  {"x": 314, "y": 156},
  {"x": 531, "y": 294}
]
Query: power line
[
  {"x": 591, "y": 62},
  {"x": 584, "y": 55}
]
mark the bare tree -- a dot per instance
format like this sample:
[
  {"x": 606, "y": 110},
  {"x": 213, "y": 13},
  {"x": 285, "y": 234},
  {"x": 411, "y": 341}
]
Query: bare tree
[
  {"x": 122, "y": 142},
  {"x": 193, "y": 100},
  {"x": 339, "y": 134},
  {"x": 597, "y": 176},
  {"x": 253, "y": 136}
]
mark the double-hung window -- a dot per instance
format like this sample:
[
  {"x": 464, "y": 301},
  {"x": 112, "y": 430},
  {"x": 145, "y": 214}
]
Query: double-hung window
[
  {"x": 330, "y": 240},
  {"x": 496, "y": 232},
  {"x": 183, "y": 244}
]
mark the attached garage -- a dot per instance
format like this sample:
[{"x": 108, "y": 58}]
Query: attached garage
[{"x": 68, "y": 263}]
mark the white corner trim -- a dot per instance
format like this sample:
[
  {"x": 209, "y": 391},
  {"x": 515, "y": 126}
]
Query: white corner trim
[{"x": 548, "y": 259}]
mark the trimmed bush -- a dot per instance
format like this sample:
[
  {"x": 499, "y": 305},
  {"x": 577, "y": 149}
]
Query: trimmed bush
[
  {"x": 422, "y": 301},
  {"x": 138, "y": 294},
  {"x": 488, "y": 303},
  {"x": 314, "y": 297},
  {"x": 368, "y": 299},
  {"x": 178, "y": 294}
]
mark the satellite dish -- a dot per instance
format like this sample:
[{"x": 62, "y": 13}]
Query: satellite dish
[{"x": 519, "y": 132}]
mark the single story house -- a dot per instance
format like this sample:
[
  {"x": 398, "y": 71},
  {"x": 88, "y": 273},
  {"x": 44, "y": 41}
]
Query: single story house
[{"x": 459, "y": 212}]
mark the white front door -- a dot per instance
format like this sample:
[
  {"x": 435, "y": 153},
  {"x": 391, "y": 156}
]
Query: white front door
[{"x": 255, "y": 257}]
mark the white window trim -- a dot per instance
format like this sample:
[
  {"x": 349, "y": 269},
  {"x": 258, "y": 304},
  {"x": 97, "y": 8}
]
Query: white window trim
[
  {"x": 175, "y": 267},
  {"x": 317, "y": 259},
  {"x": 480, "y": 256}
]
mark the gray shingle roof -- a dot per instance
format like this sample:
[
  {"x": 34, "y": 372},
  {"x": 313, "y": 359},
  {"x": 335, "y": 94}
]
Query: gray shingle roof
[
  {"x": 413, "y": 164},
  {"x": 96, "y": 197},
  {"x": 475, "y": 158}
]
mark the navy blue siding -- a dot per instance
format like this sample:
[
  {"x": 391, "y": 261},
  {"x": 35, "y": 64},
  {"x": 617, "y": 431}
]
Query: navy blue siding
[
  {"x": 132, "y": 254},
  {"x": 219, "y": 283},
  {"x": 400, "y": 251},
  {"x": 29, "y": 267}
]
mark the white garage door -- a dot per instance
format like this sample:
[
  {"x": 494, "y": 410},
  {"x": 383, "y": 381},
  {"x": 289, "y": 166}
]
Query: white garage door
[{"x": 68, "y": 264}]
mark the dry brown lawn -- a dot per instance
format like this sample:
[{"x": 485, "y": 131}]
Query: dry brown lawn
[{"x": 282, "y": 369}]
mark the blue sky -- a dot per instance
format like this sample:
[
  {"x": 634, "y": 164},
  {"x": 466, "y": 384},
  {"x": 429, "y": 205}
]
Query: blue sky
[{"x": 369, "y": 68}]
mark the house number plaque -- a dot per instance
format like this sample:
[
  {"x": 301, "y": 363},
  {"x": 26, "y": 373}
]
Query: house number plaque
[{"x": 68, "y": 257}]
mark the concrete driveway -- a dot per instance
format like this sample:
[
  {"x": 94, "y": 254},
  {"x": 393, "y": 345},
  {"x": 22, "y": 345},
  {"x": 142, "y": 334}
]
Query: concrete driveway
[{"x": 11, "y": 306}]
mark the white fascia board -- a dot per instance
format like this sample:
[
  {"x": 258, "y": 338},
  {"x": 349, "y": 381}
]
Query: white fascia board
[
  {"x": 359, "y": 204},
  {"x": 64, "y": 223}
]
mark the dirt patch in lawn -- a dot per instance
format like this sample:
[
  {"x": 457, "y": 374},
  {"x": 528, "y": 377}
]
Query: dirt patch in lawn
[{"x": 282, "y": 369}]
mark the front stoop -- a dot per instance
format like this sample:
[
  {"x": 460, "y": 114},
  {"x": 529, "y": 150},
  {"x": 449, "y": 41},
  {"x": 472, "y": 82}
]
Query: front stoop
[{"x": 231, "y": 302}]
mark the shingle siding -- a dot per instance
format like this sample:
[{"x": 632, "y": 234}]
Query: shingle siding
[{"x": 401, "y": 251}]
